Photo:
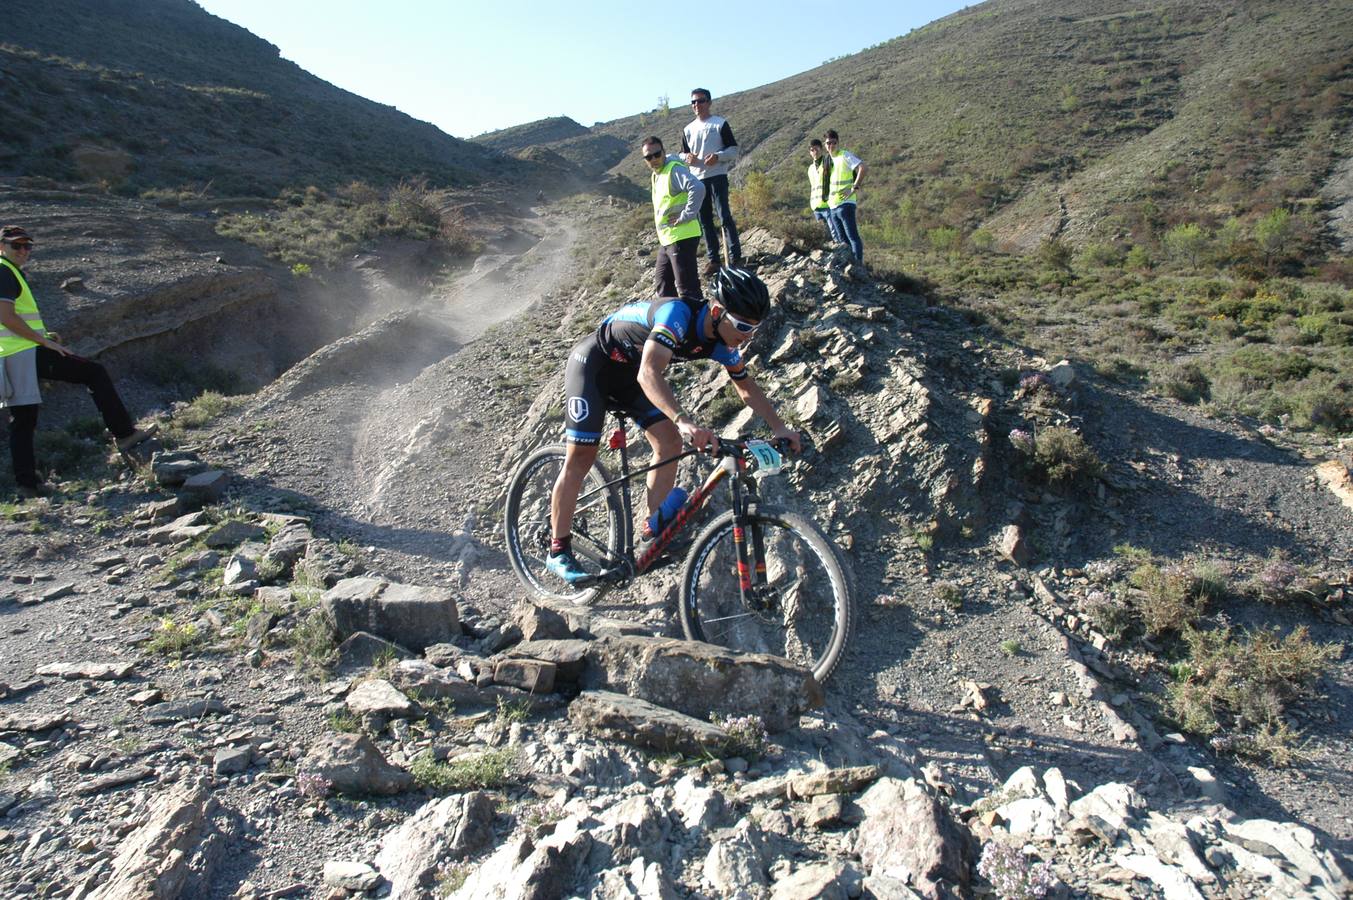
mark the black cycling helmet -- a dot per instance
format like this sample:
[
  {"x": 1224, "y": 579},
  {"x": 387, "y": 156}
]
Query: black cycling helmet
[{"x": 742, "y": 293}]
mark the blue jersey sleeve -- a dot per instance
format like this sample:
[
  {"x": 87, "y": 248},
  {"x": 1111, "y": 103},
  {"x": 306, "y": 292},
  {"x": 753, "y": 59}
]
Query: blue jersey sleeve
[
  {"x": 671, "y": 323},
  {"x": 732, "y": 359}
]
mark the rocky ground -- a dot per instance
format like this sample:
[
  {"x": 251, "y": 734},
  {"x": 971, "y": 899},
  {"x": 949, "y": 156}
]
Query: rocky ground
[{"x": 177, "y": 716}]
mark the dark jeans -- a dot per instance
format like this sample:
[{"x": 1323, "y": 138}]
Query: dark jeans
[
  {"x": 23, "y": 420},
  {"x": 716, "y": 191},
  {"x": 676, "y": 272},
  {"x": 850, "y": 233},
  {"x": 825, "y": 216}
]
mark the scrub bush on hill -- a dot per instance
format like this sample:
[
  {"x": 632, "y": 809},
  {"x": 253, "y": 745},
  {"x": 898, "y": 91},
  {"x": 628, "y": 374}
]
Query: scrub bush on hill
[{"x": 310, "y": 226}]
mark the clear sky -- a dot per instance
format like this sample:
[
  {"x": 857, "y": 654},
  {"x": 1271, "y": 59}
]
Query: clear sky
[{"x": 472, "y": 67}]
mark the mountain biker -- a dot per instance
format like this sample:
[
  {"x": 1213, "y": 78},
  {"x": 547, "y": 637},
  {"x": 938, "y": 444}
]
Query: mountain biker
[{"x": 621, "y": 366}]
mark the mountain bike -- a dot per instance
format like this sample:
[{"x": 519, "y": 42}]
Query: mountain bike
[{"x": 755, "y": 579}]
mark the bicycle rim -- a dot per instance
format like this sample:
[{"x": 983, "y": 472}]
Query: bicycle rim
[
  {"x": 526, "y": 525},
  {"x": 804, "y": 609}
]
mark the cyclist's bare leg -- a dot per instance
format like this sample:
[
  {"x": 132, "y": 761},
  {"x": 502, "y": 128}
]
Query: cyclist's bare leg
[
  {"x": 665, "y": 440},
  {"x": 578, "y": 458}
]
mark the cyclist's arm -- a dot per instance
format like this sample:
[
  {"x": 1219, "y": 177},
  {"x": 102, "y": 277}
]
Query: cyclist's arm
[
  {"x": 654, "y": 383},
  {"x": 757, "y": 401}
]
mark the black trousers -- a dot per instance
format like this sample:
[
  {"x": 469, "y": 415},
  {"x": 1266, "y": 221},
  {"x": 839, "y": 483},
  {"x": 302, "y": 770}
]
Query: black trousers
[
  {"x": 23, "y": 420},
  {"x": 676, "y": 272}
]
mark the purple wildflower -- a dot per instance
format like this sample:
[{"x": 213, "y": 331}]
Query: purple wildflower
[{"x": 1011, "y": 874}]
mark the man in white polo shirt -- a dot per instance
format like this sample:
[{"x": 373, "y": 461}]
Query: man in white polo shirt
[{"x": 709, "y": 148}]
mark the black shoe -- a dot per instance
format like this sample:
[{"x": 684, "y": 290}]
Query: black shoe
[
  {"x": 34, "y": 491},
  {"x": 711, "y": 268}
]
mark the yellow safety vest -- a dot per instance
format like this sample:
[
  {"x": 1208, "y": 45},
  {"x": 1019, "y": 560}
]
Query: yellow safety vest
[
  {"x": 817, "y": 197},
  {"x": 27, "y": 308},
  {"x": 664, "y": 201},
  {"x": 843, "y": 177}
]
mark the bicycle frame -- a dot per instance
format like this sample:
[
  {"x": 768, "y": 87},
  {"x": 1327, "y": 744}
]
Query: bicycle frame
[{"x": 744, "y": 495}]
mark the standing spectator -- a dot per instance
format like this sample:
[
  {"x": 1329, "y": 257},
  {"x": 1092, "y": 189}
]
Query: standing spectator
[
  {"x": 676, "y": 206},
  {"x": 709, "y": 148},
  {"x": 28, "y": 351},
  {"x": 845, "y": 186},
  {"x": 819, "y": 187}
]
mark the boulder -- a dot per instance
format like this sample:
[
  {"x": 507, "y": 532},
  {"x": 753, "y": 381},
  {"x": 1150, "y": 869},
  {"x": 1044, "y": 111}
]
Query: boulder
[
  {"x": 172, "y": 854},
  {"x": 735, "y": 862},
  {"x": 378, "y": 699},
  {"x": 702, "y": 679},
  {"x": 287, "y": 546},
  {"x": 820, "y": 881},
  {"x": 533, "y": 675},
  {"x": 643, "y": 724},
  {"x": 232, "y": 534},
  {"x": 406, "y": 614},
  {"x": 362, "y": 651},
  {"x": 445, "y": 830},
  {"x": 354, "y": 765},
  {"x": 832, "y": 781},
  {"x": 539, "y": 623},
  {"x": 568, "y": 656},
  {"x": 95, "y": 671},
  {"x": 203, "y": 488},
  {"x": 908, "y": 835}
]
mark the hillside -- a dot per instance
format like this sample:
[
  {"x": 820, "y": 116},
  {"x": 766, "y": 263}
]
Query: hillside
[
  {"x": 1134, "y": 117},
  {"x": 162, "y": 94}
]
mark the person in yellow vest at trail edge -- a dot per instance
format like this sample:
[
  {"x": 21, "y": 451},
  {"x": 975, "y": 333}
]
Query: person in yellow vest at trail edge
[
  {"x": 819, "y": 186},
  {"x": 28, "y": 351},
  {"x": 677, "y": 195},
  {"x": 845, "y": 186}
]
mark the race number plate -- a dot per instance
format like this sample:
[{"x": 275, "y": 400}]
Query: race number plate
[{"x": 768, "y": 459}]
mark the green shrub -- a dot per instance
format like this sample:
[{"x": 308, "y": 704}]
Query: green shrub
[
  {"x": 1064, "y": 456},
  {"x": 1184, "y": 382},
  {"x": 1241, "y": 687},
  {"x": 1170, "y": 599},
  {"x": 473, "y": 773}
]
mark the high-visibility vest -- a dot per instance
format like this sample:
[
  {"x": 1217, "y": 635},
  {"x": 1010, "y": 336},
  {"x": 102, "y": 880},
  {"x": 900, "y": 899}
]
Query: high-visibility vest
[
  {"x": 27, "y": 308},
  {"x": 665, "y": 201},
  {"x": 843, "y": 177},
  {"x": 817, "y": 196}
]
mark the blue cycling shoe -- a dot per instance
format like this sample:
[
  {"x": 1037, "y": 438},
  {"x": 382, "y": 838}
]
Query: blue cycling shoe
[{"x": 566, "y": 566}]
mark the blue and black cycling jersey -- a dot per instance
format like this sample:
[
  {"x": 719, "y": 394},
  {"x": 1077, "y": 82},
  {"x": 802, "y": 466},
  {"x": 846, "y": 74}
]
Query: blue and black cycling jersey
[
  {"x": 675, "y": 323},
  {"x": 603, "y": 369}
]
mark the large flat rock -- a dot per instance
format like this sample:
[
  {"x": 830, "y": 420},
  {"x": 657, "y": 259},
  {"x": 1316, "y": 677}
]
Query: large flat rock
[{"x": 702, "y": 680}]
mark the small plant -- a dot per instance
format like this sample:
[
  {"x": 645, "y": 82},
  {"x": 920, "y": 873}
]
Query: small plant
[
  {"x": 471, "y": 773},
  {"x": 510, "y": 711},
  {"x": 345, "y": 722},
  {"x": 1011, "y": 647},
  {"x": 1011, "y": 874},
  {"x": 300, "y": 270},
  {"x": 450, "y": 878},
  {"x": 1064, "y": 456},
  {"x": 746, "y": 735},
  {"x": 1170, "y": 597},
  {"x": 174, "y": 639},
  {"x": 949, "y": 594},
  {"x": 1022, "y": 440},
  {"x": 925, "y": 540},
  {"x": 1241, "y": 686},
  {"x": 313, "y": 784},
  {"x": 1108, "y": 614},
  {"x": 1275, "y": 580},
  {"x": 314, "y": 645}
]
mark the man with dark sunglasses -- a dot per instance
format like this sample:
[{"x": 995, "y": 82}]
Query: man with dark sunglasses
[
  {"x": 709, "y": 148},
  {"x": 28, "y": 352},
  {"x": 676, "y": 208},
  {"x": 621, "y": 366}
]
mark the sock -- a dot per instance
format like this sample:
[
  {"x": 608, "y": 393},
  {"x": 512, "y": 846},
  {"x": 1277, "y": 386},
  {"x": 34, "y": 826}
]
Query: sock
[{"x": 561, "y": 545}]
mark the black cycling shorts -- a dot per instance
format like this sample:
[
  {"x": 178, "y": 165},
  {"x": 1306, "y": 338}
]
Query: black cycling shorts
[{"x": 595, "y": 384}]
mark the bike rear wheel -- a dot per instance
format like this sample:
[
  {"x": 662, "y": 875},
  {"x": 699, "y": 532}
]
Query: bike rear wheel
[
  {"x": 526, "y": 525},
  {"x": 801, "y": 608}
]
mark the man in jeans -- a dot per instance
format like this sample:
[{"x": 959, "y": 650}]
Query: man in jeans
[
  {"x": 844, "y": 192},
  {"x": 709, "y": 148},
  {"x": 28, "y": 351},
  {"x": 676, "y": 204}
]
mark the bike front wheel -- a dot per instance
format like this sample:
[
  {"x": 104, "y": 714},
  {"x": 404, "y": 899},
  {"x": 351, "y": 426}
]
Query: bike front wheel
[
  {"x": 596, "y": 525},
  {"x": 800, "y": 608}
]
